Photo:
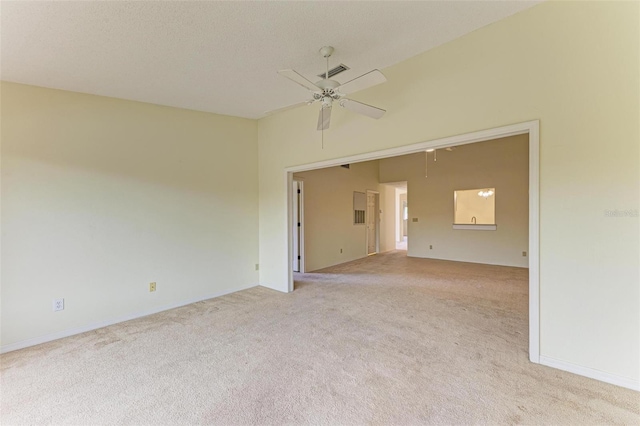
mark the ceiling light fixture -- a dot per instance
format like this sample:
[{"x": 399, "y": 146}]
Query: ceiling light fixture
[{"x": 486, "y": 194}]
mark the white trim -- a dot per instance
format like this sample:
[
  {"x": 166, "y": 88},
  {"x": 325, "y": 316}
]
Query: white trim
[
  {"x": 481, "y": 136},
  {"x": 603, "y": 376},
  {"x": 83, "y": 329},
  {"x": 534, "y": 241},
  {"x": 473, "y": 227},
  {"x": 529, "y": 127}
]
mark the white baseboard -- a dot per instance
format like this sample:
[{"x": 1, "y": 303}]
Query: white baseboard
[
  {"x": 90, "y": 327},
  {"x": 614, "y": 379}
]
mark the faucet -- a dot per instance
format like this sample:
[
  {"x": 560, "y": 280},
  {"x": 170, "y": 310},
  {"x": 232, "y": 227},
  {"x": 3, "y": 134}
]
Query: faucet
[{"x": 473, "y": 219}]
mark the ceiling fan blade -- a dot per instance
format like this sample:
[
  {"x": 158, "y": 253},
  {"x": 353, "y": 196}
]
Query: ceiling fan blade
[
  {"x": 297, "y": 78},
  {"x": 324, "y": 118},
  {"x": 360, "y": 108},
  {"x": 275, "y": 111},
  {"x": 364, "y": 81}
]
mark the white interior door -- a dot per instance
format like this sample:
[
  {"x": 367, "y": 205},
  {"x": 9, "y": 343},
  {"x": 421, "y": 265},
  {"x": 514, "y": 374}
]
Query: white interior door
[
  {"x": 372, "y": 222},
  {"x": 296, "y": 226}
]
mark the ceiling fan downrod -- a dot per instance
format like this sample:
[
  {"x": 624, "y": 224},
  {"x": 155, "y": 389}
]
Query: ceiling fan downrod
[{"x": 326, "y": 52}]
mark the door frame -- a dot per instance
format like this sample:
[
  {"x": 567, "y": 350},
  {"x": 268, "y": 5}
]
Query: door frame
[
  {"x": 301, "y": 219},
  {"x": 399, "y": 234},
  {"x": 532, "y": 128},
  {"x": 377, "y": 223}
]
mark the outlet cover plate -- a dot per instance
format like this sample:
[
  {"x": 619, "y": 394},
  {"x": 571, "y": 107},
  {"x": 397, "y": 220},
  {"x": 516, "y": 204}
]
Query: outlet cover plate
[{"x": 58, "y": 305}]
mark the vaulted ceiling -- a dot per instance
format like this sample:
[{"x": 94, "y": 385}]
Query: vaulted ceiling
[{"x": 220, "y": 57}]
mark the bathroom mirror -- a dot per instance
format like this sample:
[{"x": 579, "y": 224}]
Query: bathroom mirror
[{"x": 474, "y": 206}]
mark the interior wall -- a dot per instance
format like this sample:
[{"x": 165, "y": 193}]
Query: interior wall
[
  {"x": 575, "y": 66},
  {"x": 503, "y": 164},
  {"x": 328, "y": 213},
  {"x": 102, "y": 196}
]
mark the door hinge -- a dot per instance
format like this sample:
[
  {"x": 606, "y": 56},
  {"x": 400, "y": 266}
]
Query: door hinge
[
  {"x": 298, "y": 257},
  {"x": 298, "y": 223},
  {"x": 298, "y": 191}
]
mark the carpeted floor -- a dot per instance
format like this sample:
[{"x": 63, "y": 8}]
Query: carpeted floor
[{"x": 383, "y": 340}]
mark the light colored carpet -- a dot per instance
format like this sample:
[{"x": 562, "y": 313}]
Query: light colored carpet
[{"x": 382, "y": 340}]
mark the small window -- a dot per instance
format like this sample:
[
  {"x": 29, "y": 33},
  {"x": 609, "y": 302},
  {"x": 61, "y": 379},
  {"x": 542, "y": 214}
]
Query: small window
[
  {"x": 475, "y": 206},
  {"x": 359, "y": 206}
]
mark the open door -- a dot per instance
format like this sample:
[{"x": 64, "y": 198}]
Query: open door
[
  {"x": 373, "y": 222},
  {"x": 297, "y": 225}
]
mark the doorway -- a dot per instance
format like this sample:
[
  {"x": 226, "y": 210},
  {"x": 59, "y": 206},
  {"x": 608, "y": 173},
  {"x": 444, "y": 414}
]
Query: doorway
[
  {"x": 532, "y": 129},
  {"x": 402, "y": 215},
  {"x": 373, "y": 222}
]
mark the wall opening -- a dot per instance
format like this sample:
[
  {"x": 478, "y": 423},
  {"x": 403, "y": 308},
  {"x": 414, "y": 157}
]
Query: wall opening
[{"x": 532, "y": 130}]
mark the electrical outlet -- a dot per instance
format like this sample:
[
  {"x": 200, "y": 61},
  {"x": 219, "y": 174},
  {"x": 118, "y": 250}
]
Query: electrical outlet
[
  {"x": 524, "y": 254},
  {"x": 257, "y": 266},
  {"x": 152, "y": 286},
  {"x": 415, "y": 219},
  {"x": 58, "y": 305},
  {"x": 430, "y": 247},
  {"x": 340, "y": 250}
]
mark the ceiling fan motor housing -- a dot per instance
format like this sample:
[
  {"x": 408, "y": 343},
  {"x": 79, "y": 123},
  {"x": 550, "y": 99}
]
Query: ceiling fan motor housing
[
  {"x": 327, "y": 84},
  {"x": 328, "y": 92}
]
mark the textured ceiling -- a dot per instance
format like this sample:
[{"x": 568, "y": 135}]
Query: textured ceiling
[{"x": 220, "y": 57}]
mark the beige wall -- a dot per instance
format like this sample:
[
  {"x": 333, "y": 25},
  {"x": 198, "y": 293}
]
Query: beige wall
[
  {"x": 328, "y": 213},
  {"x": 502, "y": 164},
  {"x": 575, "y": 66},
  {"x": 102, "y": 196}
]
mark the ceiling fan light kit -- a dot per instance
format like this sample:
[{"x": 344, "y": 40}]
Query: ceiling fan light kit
[
  {"x": 326, "y": 51},
  {"x": 326, "y": 91}
]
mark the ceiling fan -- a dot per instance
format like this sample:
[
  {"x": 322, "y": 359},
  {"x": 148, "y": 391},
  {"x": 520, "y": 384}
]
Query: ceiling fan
[{"x": 326, "y": 91}]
